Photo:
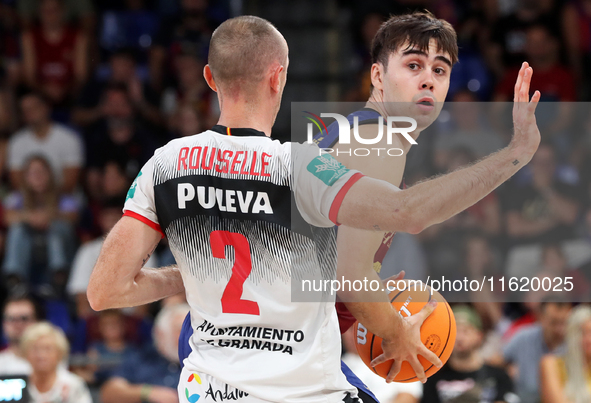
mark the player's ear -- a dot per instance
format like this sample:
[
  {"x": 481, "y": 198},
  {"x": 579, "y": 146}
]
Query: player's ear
[
  {"x": 276, "y": 78},
  {"x": 377, "y": 76},
  {"x": 209, "y": 78}
]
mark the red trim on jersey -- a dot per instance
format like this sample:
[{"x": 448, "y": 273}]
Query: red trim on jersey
[
  {"x": 145, "y": 220},
  {"x": 346, "y": 318},
  {"x": 336, "y": 204}
]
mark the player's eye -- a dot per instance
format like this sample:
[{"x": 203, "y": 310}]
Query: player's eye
[
  {"x": 413, "y": 66},
  {"x": 439, "y": 70}
]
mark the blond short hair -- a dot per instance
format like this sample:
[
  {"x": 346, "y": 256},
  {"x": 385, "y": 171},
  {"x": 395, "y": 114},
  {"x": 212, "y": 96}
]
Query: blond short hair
[
  {"x": 242, "y": 49},
  {"x": 45, "y": 329}
]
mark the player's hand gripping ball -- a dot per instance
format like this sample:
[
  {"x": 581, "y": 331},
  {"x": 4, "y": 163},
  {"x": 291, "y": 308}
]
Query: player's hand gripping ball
[{"x": 438, "y": 332}]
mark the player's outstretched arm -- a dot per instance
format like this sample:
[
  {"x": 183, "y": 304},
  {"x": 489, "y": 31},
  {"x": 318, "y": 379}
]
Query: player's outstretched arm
[
  {"x": 118, "y": 279},
  {"x": 436, "y": 200}
]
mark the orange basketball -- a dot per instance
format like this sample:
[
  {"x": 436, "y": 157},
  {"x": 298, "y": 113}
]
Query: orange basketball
[{"x": 438, "y": 332}]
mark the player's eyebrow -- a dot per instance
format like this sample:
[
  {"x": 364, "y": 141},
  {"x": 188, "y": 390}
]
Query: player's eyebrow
[{"x": 422, "y": 53}]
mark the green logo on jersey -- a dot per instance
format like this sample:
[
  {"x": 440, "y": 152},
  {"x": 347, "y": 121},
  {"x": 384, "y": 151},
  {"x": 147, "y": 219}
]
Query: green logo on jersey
[
  {"x": 327, "y": 169},
  {"x": 131, "y": 191}
]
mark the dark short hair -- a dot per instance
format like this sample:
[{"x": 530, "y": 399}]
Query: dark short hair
[
  {"x": 415, "y": 30},
  {"x": 24, "y": 296},
  {"x": 560, "y": 301}
]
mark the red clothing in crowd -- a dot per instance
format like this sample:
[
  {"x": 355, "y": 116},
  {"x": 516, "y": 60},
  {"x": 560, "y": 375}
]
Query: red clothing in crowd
[
  {"x": 55, "y": 61},
  {"x": 555, "y": 84}
]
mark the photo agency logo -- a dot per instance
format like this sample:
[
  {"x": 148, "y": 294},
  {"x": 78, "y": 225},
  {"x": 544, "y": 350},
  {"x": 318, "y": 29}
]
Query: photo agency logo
[{"x": 336, "y": 138}]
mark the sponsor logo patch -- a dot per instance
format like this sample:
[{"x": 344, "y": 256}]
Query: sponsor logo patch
[{"x": 327, "y": 169}]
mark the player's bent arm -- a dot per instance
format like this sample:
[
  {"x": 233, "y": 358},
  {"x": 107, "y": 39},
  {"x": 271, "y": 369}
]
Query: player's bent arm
[
  {"x": 430, "y": 202},
  {"x": 371, "y": 308},
  {"x": 118, "y": 279}
]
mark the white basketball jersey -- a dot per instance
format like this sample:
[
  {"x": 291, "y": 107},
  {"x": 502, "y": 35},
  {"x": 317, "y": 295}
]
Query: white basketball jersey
[{"x": 225, "y": 204}]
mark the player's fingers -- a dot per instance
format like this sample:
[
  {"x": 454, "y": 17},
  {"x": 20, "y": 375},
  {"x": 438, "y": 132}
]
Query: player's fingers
[
  {"x": 395, "y": 277},
  {"x": 394, "y": 370},
  {"x": 418, "y": 368},
  {"x": 431, "y": 357},
  {"x": 524, "y": 93},
  {"x": 426, "y": 311},
  {"x": 518, "y": 83},
  {"x": 391, "y": 283},
  {"x": 378, "y": 360},
  {"x": 534, "y": 101}
]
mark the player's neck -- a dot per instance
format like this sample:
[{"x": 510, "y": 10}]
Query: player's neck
[{"x": 242, "y": 114}]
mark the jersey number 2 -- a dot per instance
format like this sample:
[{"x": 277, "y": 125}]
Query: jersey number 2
[{"x": 232, "y": 301}]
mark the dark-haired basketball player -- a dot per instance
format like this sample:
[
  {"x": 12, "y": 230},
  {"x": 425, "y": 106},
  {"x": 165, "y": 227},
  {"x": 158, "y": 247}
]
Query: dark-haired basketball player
[{"x": 412, "y": 58}]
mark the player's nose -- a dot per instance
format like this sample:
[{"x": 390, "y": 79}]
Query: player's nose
[{"x": 427, "y": 81}]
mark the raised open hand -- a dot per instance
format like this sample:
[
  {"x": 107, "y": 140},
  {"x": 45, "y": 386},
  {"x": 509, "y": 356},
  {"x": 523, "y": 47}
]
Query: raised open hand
[{"x": 526, "y": 137}]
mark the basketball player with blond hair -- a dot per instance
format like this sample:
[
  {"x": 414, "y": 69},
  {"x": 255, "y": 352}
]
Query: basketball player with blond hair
[{"x": 233, "y": 186}]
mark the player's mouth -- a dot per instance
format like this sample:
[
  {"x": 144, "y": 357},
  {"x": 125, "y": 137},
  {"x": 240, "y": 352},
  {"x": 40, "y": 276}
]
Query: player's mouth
[{"x": 426, "y": 104}]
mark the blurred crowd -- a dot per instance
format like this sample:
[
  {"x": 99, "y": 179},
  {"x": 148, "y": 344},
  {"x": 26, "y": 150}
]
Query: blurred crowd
[{"x": 88, "y": 91}]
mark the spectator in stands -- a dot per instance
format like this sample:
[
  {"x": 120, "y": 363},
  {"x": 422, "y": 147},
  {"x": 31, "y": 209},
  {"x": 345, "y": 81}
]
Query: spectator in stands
[
  {"x": 92, "y": 104},
  {"x": 527, "y": 347},
  {"x": 576, "y": 25},
  {"x": 58, "y": 144},
  {"x": 110, "y": 183},
  {"x": 45, "y": 346},
  {"x": 129, "y": 24},
  {"x": 466, "y": 377},
  {"x": 552, "y": 79},
  {"x": 88, "y": 254},
  {"x": 469, "y": 130},
  {"x": 507, "y": 45},
  {"x": 566, "y": 378},
  {"x": 554, "y": 266},
  {"x": 76, "y": 12},
  {"x": 19, "y": 313},
  {"x": 544, "y": 210},
  {"x": 483, "y": 259},
  {"x": 187, "y": 121},
  {"x": 445, "y": 241},
  {"x": 190, "y": 90},
  {"x": 384, "y": 392},
  {"x": 153, "y": 374},
  {"x": 55, "y": 55},
  {"x": 39, "y": 212},
  {"x": 188, "y": 33},
  {"x": 118, "y": 137},
  {"x": 106, "y": 355},
  {"x": 365, "y": 32},
  {"x": 9, "y": 46}
]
